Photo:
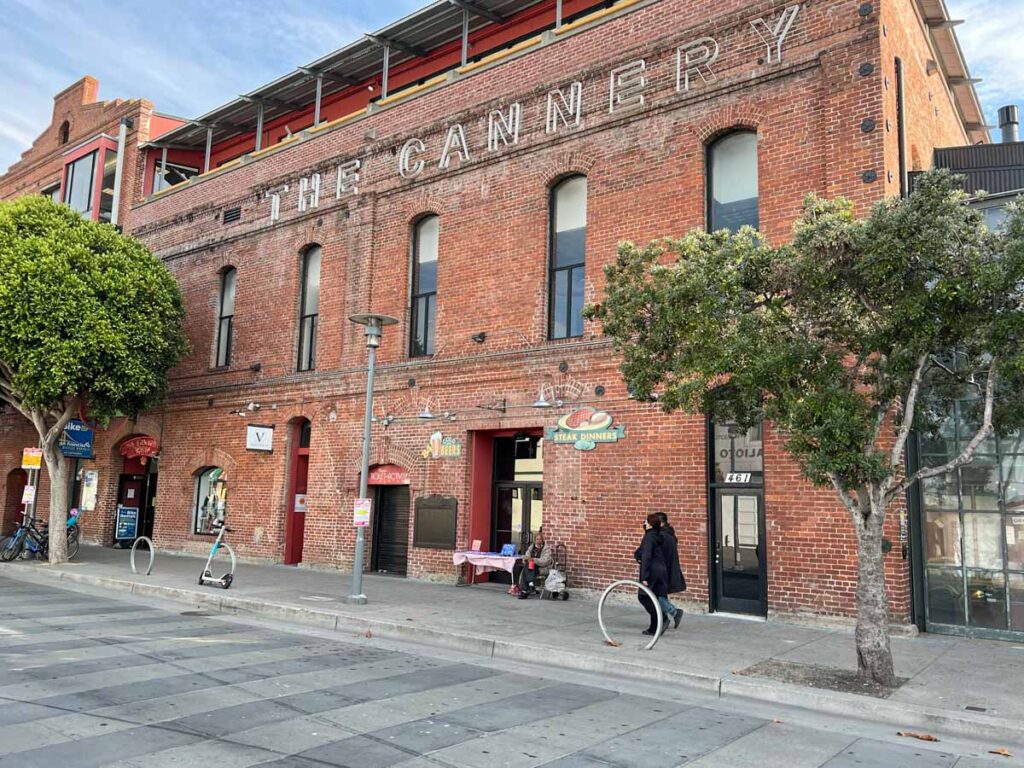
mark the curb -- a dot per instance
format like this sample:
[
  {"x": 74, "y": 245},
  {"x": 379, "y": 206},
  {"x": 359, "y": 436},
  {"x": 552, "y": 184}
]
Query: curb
[{"x": 731, "y": 686}]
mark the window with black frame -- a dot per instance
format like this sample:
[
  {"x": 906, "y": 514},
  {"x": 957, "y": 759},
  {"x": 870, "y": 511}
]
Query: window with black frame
[
  {"x": 107, "y": 182},
  {"x": 309, "y": 308},
  {"x": 170, "y": 174},
  {"x": 568, "y": 224},
  {"x": 226, "y": 317},
  {"x": 425, "y": 246},
  {"x": 78, "y": 183},
  {"x": 733, "y": 195}
]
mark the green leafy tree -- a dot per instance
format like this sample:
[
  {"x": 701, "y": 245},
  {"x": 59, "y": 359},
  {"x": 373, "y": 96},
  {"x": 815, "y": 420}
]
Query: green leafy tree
[
  {"x": 90, "y": 321},
  {"x": 846, "y": 339}
]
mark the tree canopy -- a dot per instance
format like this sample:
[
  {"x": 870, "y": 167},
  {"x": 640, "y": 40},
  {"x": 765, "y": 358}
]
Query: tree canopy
[
  {"x": 845, "y": 339},
  {"x": 85, "y": 312}
]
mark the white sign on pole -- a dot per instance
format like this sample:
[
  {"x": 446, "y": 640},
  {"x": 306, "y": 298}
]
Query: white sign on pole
[
  {"x": 361, "y": 513},
  {"x": 28, "y": 496}
]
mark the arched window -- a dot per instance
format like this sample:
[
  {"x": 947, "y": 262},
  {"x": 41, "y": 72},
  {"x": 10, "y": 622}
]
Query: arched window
[
  {"x": 732, "y": 182},
  {"x": 211, "y": 499},
  {"x": 309, "y": 308},
  {"x": 568, "y": 225},
  {"x": 226, "y": 316},
  {"x": 64, "y": 133},
  {"x": 426, "y": 236}
]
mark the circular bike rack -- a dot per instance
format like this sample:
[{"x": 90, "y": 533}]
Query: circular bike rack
[
  {"x": 152, "y": 554},
  {"x": 638, "y": 585}
]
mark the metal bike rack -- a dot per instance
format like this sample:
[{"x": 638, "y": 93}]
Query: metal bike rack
[
  {"x": 638, "y": 585},
  {"x": 152, "y": 554}
]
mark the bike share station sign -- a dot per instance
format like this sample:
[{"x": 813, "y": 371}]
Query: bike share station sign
[
  {"x": 77, "y": 439},
  {"x": 127, "y": 523}
]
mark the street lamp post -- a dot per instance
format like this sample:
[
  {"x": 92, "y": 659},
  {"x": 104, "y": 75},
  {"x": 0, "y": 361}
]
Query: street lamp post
[{"x": 373, "y": 325}]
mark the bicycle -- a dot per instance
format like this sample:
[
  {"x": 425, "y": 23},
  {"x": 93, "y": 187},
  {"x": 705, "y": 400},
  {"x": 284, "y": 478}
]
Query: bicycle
[
  {"x": 206, "y": 578},
  {"x": 28, "y": 536}
]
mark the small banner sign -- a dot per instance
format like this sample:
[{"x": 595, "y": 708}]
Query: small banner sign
[
  {"x": 32, "y": 458},
  {"x": 76, "y": 440},
  {"x": 361, "y": 513},
  {"x": 584, "y": 429},
  {"x": 127, "y": 523},
  {"x": 142, "y": 447},
  {"x": 441, "y": 447},
  {"x": 28, "y": 496}
]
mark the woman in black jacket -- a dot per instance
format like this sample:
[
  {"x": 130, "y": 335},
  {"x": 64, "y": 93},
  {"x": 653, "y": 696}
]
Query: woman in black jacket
[{"x": 654, "y": 559}]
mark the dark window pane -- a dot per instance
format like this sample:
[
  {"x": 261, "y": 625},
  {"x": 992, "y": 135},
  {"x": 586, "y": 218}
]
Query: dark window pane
[
  {"x": 945, "y": 596},
  {"x": 307, "y": 344},
  {"x": 560, "y": 304},
  {"x": 986, "y": 599},
  {"x": 224, "y": 342},
  {"x": 305, "y": 434},
  {"x": 428, "y": 233},
  {"x": 1017, "y": 601},
  {"x": 227, "y": 293},
  {"x": 734, "y": 182},
  {"x": 576, "y": 308},
  {"x": 174, "y": 174},
  {"x": 430, "y": 322},
  {"x": 107, "y": 185},
  {"x": 570, "y": 247}
]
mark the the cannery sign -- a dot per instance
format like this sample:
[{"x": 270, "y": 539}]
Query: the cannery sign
[{"x": 563, "y": 109}]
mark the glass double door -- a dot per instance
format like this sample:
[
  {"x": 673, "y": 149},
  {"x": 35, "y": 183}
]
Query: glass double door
[
  {"x": 740, "y": 575},
  {"x": 518, "y": 514}
]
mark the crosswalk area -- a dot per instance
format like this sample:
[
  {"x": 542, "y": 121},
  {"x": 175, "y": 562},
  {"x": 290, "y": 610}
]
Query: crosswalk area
[{"x": 86, "y": 680}]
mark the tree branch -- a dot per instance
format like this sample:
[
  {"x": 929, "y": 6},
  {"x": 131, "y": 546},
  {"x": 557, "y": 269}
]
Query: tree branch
[
  {"x": 908, "y": 413},
  {"x": 968, "y": 452}
]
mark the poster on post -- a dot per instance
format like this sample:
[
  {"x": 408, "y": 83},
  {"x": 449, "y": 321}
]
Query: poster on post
[{"x": 361, "y": 513}]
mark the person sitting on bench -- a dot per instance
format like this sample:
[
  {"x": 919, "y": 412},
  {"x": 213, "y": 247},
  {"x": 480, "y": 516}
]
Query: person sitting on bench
[{"x": 537, "y": 563}]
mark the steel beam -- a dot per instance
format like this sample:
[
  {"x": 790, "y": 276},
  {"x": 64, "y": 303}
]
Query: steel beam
[
  {"x": 412, "y": 50},
  {"x": 209, "y": 147},
  {"x": 319, "y": 98},
  {"x": 259, "y": 127},
  {"x": 476, "y": 10},
  {"x": 558, "y": 14},
  {"x": 385, "y": 72},
  {"x": 332, "y": 76},
  {"x": 465, "y": 36}
]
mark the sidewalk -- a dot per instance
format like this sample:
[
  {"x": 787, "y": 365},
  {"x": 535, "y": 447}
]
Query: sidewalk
[{"x": 946, "y": 675}]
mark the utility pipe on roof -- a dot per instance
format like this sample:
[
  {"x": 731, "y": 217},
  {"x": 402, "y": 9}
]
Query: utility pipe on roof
[{"x": 122, "y": 139}]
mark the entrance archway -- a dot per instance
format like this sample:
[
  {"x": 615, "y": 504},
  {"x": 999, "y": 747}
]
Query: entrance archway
[
  {"x": 295, "y": 520},
  {"x": 389, "y": 484},
  {"x": 13, "y": 509},
  {"x": 136, "y": 488}
]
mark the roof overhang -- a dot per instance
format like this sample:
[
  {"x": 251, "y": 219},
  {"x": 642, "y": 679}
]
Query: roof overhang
[
  {"x": 952, "y": 66},
  {"x": 430, "y": 28}
]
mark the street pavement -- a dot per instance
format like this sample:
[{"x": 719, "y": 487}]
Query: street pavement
[{"x": 89, "y": 679}]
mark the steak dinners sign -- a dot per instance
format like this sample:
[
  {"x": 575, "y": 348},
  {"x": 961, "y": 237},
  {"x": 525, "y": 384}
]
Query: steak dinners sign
[{"x": 628, "y": 83}]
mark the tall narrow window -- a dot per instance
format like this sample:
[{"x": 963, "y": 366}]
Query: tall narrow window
[
  {"x": 426, "y": 236},
  {"x": 78, "y": 184},
  {"x": 733, "y": 186},
  {"x": 568, "y": 257},
  {"x": 309, "y": 308},
  {"x": 901, "y": 128},
  {"x": 107, "y": 185},
  {"x": 64, "y": 133},
  {"x": 226, "y": 317}
]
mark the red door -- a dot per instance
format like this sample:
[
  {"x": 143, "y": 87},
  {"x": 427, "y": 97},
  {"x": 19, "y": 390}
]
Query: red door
[
  {"x": 13, "y": 508},
  {"x": 295, "y": 522}
]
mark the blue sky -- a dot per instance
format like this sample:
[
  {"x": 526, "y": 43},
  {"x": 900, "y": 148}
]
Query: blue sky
[{"x": 188, "y": 56}]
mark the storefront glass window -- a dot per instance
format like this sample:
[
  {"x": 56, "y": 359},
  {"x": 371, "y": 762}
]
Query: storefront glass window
[
  {"x": 211, "y": 500},
  {"x": 972, "y": 523}
]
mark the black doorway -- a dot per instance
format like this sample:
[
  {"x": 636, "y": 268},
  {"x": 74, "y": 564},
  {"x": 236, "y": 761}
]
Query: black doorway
[{"x": 391, "y": 530}]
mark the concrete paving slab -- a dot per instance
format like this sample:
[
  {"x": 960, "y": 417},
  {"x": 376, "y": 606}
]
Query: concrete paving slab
[
  {"x": 867, "y": 753},
  {"x": 777, "y": 745}
]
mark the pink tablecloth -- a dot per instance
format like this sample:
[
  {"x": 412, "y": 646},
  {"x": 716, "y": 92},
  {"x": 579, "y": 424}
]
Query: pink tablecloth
[{"x": 484, "y": 562}]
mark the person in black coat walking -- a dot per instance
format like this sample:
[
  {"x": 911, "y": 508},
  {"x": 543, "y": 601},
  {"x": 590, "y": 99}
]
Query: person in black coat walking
[
  {"x": 676, "y": 580},
  {"x": 653, "y": 557}
]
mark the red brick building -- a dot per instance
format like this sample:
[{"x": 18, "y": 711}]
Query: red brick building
[
  {"x": 81, "y": 159},
  {"x": 469, "y": 170}
]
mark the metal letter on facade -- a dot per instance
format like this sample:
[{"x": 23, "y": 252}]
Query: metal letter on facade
[
  {"x": 406, "y": 166},
  {"x": 694, "y": 60},
  {"x": 564, "y": 110},
  {"x": 309, "y": 192},
  {"x": 503, "y": 129},
  {"x": 274, "y": 195},
  {"x": 627, "y": 86},
  {"x": 348, "y": 178},
  {"x": 773, "y": 37},
  {"x": 455, "y": 141}
]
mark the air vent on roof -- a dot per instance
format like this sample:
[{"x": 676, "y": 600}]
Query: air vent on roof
[{"x": 231, "y": 215}]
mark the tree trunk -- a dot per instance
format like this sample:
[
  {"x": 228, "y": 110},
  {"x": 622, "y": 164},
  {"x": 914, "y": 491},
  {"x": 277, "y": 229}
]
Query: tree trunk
[
  {"x": 58, "y": 468},
  {"x": 874, "y": 654}
]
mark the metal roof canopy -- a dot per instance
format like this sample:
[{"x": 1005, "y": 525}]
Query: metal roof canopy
[{"x": 414, "y": 36}]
